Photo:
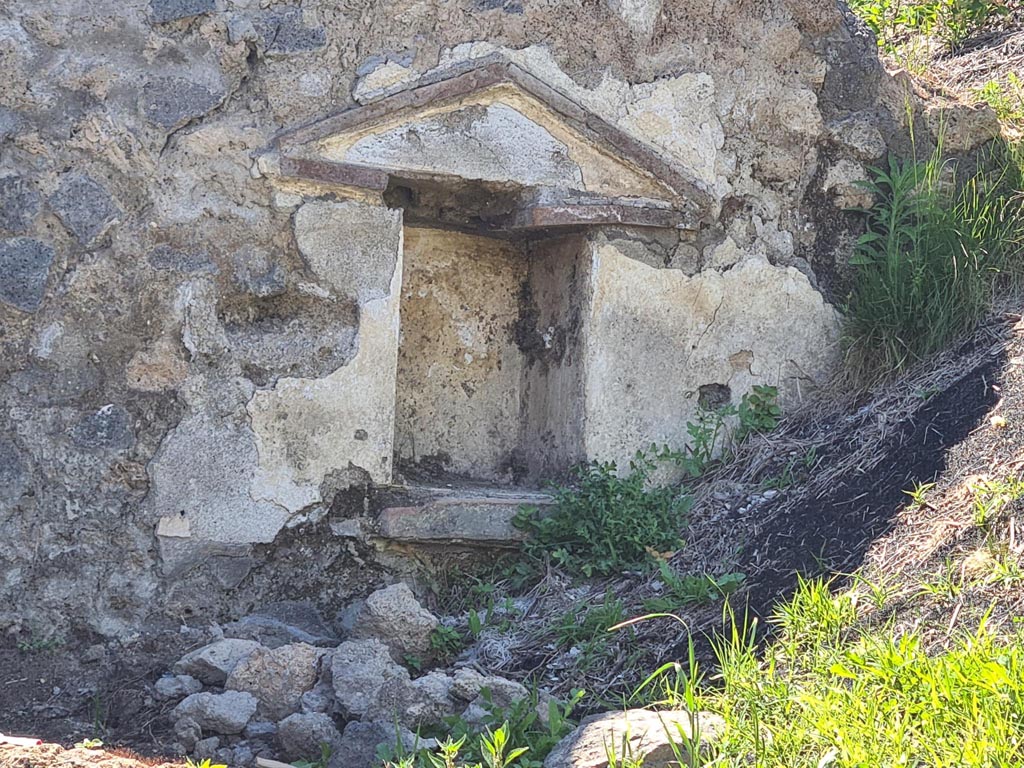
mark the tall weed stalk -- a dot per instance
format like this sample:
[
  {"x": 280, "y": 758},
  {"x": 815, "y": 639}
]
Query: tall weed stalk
[{"x": 932, "y": 255}]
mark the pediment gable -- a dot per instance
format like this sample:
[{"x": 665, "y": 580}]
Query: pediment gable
[{"x": 491, "y": 123}]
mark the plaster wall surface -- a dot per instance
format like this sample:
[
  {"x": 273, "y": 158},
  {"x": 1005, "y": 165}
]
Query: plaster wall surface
[
  {"x": 655, "y": 336},
  {"x": 459, "y": 368}
]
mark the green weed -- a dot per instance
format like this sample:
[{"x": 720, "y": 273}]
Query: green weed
[
  {"x": 691, "y": 589},
  {"x": 320, "y": 762},
  {"x": 927, "y": 265},
  {"x": 1007, "y": 99},
  {"x": 445, "y": 643},
  {"x": 606, "y": 523}
]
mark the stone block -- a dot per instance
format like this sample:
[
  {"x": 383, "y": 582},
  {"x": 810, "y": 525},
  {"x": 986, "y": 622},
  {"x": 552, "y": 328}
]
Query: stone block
[
  {"x": 220, "y": 713},
  {"x": 171, "y": 102},
  {"x": 84, "y": 207},
  {"x": 19, "y": 204},
  {"x": 171, "y": 10},
  {"x": 24, "y": 268}
]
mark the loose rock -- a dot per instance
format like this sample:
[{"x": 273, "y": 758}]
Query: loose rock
[
  {"x": 394, "y": 616},
  {"x": 177, "y": 686},
  {"x": 300, "y": 735},
  {"x": 359, "y": 668},
  {"x": 223, "y": 713},
  {"x": 650, "y": 737},
  {"x": 212, "y": 663},
  {"x": 278, "y": 677}
]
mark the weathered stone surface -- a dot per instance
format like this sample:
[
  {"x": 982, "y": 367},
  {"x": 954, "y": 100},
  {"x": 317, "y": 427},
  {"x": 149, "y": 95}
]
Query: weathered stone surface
[
  {"x": 278, "y": 677},
  {"x": 212, "y": 663},
  {"x": 284, "y": 31},
  {"x": 200, "y": 470},
  {"x": 284, "y": 622},
  {"x": 187, "y": 731},
  {"x": 84, "y": 206},
  {"x": 469, "y": 685},
  {"x": 109, "y": 427},
  {"x": 860, "y": 135},
  {"x": 475, "y": 143},
  {"x": 394, "y": 617},
  {"x": 206, "y": 749},
  {"x": 358, "y": 669},
  {"x": 24, "y": 267},
  {"x": 299, "y": 736},
  {"x": 166, "y": 257},
  {"x": 844, "y": 181},
  {"x": 222, "y": 713},
  {"x": 351, "y": 247},
  {"x": 360, "y": 741},
  {"x": 256, "y": 396},
  {"x": 963, "y": 127},
  {"x": 19, "y": 203},
  {"x": 177, "y": 686},
  {"x": 171, "y": 102},
  {"x": 650, "y": 736},
  {"x": 170, "y": 10},
  {"x": 13, "y": 473},
  {"x": 423, "y": 702}
]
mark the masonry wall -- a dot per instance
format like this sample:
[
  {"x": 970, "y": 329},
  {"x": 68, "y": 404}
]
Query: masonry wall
[{"x": 193, "y": 356}]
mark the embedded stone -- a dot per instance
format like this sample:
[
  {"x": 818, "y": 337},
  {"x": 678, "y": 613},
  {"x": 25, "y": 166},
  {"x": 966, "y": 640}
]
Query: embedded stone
[
  {"x": 284, "y": 31},
  {"x": 212, "y": 663},
  {"x": 171, "y": 102},
  {"x": 19, "y": 203},
  {"x": 84, "y": 207},
  {"x": 13, "y": 473},
  {"x": 167, "y": 258},
  {"x": 278, "y": 677},
  {"x": 171, "y": 10},
  {"x": 24, "y": 267},
  {"x": 423, "y": 702},
  {"x": 224, "y": 713},
  {"x": 109, "y": 427},
  {"x": 284, "y": 622},
  {"x": 360, "y": 742}
]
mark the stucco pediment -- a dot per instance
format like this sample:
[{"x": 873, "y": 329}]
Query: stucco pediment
[{"x": 495, "y": 124}]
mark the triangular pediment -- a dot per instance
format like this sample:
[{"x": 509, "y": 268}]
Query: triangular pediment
[{"x": 490, "y": 123}]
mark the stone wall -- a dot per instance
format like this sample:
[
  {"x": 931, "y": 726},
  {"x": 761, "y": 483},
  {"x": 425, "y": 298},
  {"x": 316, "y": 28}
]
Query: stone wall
[{"x": 198, "y": 354}]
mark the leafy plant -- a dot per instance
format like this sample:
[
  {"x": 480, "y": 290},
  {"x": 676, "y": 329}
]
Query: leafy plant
[
  {"x": 917, "y": 494},
  {"x": 990, "y": 498},
  {"x": 321, "y": 762},
  {"x": 207, "y": 763},
  {"x": 89, "y": 744},
  {"x": 523, "y": 723},
  {"x": 1007, "y": 99},
  {"x": 951, "y": 21},
  {"x": 758, "y": 412},
  {"x": 40, "y": 644},
  {"x": 691, "y": 589},
  {"x": 445, "y": 642},
  {"x": 606, "y": 523}
]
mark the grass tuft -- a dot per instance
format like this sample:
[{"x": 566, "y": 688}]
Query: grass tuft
[{"x": 932, "y": 256}]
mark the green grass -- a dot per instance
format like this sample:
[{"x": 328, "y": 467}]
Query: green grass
[
  {"x": 951, "y": 22},
  {"x": 932, "y": 257},
  {"x": 827, "y": 693}
]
